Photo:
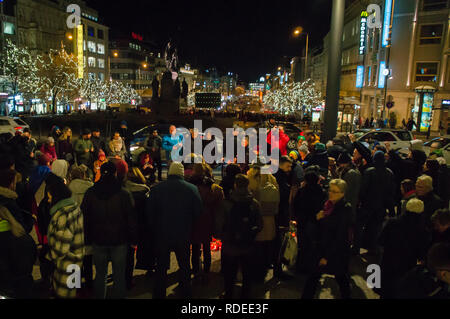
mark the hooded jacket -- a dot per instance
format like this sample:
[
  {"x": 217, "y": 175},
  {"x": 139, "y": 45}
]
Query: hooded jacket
[
  {"x": 110, "y": 217},
  {"x": 79, "y": 187}
]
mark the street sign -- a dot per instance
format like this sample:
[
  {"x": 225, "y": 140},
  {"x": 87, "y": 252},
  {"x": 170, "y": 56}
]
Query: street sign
[{"x": 390, "y": 105}]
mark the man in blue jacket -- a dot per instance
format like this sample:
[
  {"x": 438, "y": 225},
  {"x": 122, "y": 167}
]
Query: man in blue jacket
[
  {"x": 172, "y": 142},
  {"x": 172, "y": 208}
]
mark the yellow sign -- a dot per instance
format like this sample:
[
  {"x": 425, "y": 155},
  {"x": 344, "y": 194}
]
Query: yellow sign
[{"x": 80, "y": 51}]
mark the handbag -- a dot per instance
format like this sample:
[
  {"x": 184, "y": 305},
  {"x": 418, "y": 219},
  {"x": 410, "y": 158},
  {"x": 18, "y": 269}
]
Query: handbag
[{"x": 289, "y": 247}]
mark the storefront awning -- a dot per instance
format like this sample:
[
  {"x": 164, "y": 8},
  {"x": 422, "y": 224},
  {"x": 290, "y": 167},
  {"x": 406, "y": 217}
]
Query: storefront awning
[{"x": 425, "y": 88}]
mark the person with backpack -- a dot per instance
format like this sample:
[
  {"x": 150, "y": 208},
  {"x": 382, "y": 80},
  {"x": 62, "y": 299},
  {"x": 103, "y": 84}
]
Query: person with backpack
[
  {"x": 237, "y": 224},
  {"x": 265, "y": 189}
]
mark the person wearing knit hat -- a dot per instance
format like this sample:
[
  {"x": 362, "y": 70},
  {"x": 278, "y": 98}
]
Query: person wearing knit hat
[
  {"x": 294, "y": 155},
  {"x": 416, "y": 145},
  {"x": 98, "y": 163},
  {"x": 49, "y": 149},
  {"x": 176, "y": 169},
  {"x": 405, "y": 241},
  {"x": 121, "y": 167},
  {"x": 320, "y": 147},
  {"x": 177, "y": 204},
  {"x": 362, "y": 157}
]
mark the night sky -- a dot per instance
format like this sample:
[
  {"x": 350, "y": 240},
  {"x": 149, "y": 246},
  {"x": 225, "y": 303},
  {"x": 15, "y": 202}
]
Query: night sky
[{"x": 246, "y": 37}]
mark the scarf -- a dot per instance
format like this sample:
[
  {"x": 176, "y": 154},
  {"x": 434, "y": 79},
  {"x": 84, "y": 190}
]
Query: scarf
[{"x": 328, "y": 208}]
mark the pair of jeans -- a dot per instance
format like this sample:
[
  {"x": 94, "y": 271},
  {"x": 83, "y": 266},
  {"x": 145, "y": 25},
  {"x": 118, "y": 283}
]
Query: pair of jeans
[
  {"x": 102, "y": 256},
  {"x": 263, "y": 257},
  {"x": 195, "y": 258},
  {"x": 158, "y": 164},
  {"x": 231, "y": 264},
  {"x": 182, "y": 252}
]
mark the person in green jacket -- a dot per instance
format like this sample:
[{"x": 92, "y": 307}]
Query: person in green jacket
[{"x": 84, "y": 148}]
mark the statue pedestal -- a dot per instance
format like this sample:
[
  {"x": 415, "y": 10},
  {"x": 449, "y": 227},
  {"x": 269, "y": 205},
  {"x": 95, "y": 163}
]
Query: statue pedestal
[{"x": 167, "y": 104}]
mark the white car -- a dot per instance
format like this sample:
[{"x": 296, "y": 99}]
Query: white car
[
  {"x": 444, "y": 144},
  {"x": 398, "y": 139},
  {"x": 11, "y": 125}
]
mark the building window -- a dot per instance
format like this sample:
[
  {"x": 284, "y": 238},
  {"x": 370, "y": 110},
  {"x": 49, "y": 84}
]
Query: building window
[
  {"x": 434, "y": 5},
  {"x": 91, "y": 62},
  {"x": 92, "y": 76},
  {"x": 84, "y": 45},
  {"x": 101, "y": 76},
  {"x": 91, "y": 46},
  {"x": 426, "y": 71},
  {"x": 100, "y": 48},
  {"x": 100, "y": 34},
  {"x": 431, "y": 34},
  {"x": 91, "y": 31},
  {"x": 9, "y": 28},
  {"x": 101, "y": 63}
]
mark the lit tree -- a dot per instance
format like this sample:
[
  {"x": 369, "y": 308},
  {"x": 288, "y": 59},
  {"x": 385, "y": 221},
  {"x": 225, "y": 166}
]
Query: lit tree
[
  {"x": 19, "y": 69},
  {"x": 57, "y": 71},
  {"x": 294, "y": 97}
]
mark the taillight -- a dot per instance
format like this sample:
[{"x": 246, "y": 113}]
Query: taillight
[{"x": 18, "y": 128}]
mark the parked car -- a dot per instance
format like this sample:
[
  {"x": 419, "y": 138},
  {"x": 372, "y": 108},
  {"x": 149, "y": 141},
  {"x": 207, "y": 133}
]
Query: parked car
[
  {"x": 11, "y": 125},
  {"x": 397, "y": 138}
]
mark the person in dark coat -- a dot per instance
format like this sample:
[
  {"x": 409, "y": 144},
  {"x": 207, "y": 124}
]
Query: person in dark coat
[
  {"x": 227, "y": 182},
  {"x": 202, "y": 230},
  {"x": 333, "y": 248},
  {"x": 320, "y": 158},
  {"x": 430, "y": 281},
  {"x": 153, "y": 145},
  {"x": 362, "y": 157},
  {"x": 98, "y": 142},
  {"x": 307, "y": 204},
  {"x": 376, "y": 197},
  {"x": 111, "y": 225},
  {"x": 348, "y": 172},
  {"x": 337, "y": 148},
  {"x": 283, "y": 217},
  {"x": 238, "y": 255},
  {"x": 424, "y": 192},
  {"x": 411, "y": 167},
  {"x": 405, "y": 241},
  {"x": 433, "y": 169},
  {"x": 172, "y": 208},
  {"x": 441, "y": 226},
  {"x": 17, "y": 248}
]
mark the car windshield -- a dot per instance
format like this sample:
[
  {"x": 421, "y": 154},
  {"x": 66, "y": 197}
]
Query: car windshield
[{"x": 403, "y": 135}]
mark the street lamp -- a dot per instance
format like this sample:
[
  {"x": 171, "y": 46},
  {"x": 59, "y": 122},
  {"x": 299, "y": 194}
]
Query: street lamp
[
  {"x": 70, "y": 36},
  {"x": 297, "y": 32}
]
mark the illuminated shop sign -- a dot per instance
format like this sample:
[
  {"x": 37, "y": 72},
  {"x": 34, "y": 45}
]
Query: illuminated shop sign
[
  {"x": 387, "y": 22},
  {"x": 359, "y": 76},
  {"x": 382, "y": 76},
  {"x": 363, "y": 32}
]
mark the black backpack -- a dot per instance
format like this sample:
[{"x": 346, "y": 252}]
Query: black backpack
[{"x": 243, "y": 224}]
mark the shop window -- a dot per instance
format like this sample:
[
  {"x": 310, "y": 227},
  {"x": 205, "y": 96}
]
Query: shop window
[
  {"x": 9, "y": 28},
  {"x": 91, "y": 62},
  {"x": 426, "y": 71},
  {"x": 101, "y": 63},
  {"x": 431, "y": 34}
]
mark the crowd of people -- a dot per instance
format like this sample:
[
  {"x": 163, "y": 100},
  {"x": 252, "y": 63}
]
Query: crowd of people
[{"x": 90, "y": 203}]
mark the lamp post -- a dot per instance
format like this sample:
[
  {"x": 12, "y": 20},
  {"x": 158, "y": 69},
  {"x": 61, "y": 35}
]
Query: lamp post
[
  {"x": 297, "y": 32},
  {"x": 334, "y": 70}
]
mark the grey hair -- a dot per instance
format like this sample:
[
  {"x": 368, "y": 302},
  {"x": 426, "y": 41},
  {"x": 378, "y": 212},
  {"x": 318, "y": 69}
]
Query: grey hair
[
  {"x": 339, "y": 183},
  {"x": 427, "y": 180}
]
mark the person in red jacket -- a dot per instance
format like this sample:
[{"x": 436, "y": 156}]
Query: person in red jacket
[
  {"x": 48, "y": 148},
  {"x": 280, "y": 143}
]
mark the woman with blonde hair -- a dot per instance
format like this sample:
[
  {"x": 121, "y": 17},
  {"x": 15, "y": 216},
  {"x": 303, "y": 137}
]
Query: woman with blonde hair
[{"x": 65, "y": 148}]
